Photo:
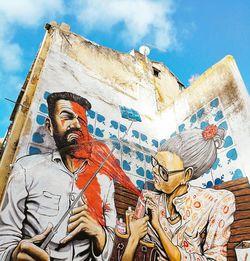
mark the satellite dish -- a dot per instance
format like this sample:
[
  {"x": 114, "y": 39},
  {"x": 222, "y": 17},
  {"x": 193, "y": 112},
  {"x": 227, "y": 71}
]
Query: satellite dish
[{"x": 144, "y": 50}]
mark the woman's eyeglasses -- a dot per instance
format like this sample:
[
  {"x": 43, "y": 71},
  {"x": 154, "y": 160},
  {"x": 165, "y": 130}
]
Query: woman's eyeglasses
[{"x": 163, "y": 172}]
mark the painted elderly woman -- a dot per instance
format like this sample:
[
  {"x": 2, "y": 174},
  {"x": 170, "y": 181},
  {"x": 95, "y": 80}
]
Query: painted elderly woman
[{"x": 185, "y": 222}]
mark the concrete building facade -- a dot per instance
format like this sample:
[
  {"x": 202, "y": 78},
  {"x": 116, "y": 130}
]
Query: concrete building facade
[{"x": 109, "y": 80}]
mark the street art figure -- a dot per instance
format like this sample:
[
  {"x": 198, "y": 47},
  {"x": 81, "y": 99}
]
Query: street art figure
[
  {"x": 42, "y": 188},
  {"x": 185, "y": 222}
]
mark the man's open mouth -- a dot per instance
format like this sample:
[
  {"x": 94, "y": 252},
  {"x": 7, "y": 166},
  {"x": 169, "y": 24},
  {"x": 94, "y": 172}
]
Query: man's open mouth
[{"x": 73, "y": 136}]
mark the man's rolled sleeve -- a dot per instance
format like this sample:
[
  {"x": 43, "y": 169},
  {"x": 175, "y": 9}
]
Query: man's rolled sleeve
[
  {"x": 108, "y": 248},
  {"x": 110, "y": 220}
]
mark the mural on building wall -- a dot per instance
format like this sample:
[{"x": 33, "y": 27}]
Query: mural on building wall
[
  {"x": 44, "y": 187},
  {"x": 88, "y": 185},
  {"x": 227, "y": 165},
  {"x": 135, "y": 145},
  {"x": 185, "y": 222},
  {"x": 51, "y": 211}
]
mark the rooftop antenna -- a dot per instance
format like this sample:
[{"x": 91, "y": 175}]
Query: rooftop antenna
[
  {"x": 18, "y": 103},
  {"x": 155, "y": 47},
  {"x": 144, "y": 50}
]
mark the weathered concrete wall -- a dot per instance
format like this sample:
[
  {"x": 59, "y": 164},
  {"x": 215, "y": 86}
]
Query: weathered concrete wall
[
  {"x": 20, "y": 117},
  {"x": 166, "y": 87},
  {"x": 217, "y": 97},
  {"x": 125, "y": 73},
  {"x": 108, "y": 79}
]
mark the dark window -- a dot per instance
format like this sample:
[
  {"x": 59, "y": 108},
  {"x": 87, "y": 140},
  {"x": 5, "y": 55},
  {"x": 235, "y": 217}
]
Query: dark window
[{"x": 156, "y": 72}]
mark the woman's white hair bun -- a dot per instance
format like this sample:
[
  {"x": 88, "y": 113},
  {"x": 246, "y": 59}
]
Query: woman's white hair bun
[
  {"x": 196, "y": 148},
  {"x": 219, "y": 138}
]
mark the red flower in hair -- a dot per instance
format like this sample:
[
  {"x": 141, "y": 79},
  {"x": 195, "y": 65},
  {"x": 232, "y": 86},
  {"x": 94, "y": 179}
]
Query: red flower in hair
[{"x": 210, "y": 132}]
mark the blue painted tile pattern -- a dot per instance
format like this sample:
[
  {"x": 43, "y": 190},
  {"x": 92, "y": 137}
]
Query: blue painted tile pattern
[{"x": 136, "y": 160}]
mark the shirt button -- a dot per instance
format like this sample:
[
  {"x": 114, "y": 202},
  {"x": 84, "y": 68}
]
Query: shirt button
[{"x": 72, "y": 197}]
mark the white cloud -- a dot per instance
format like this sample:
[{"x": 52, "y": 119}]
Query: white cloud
[
  {"x": 29, "y": 12},
  {"x": 24, "y": 13},
  {"x": 16, "y": 14},
  {"x": 11, "y": 56},
  {"x": 142, "y": 20},
  {"x": 11, "y": 53}
]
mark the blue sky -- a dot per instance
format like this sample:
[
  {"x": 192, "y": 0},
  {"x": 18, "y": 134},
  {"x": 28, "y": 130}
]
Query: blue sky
[{"x": 187, "y": 36}]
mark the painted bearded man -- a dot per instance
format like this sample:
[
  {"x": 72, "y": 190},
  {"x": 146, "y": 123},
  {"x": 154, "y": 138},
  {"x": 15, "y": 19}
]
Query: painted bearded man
[{"x": 43, "y": 187}]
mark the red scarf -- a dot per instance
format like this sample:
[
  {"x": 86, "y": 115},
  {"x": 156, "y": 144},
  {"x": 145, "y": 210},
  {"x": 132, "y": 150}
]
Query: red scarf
[{"x": 96, "y": 152}]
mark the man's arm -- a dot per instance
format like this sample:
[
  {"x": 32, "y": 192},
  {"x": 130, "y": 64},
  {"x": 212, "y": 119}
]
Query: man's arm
[
  {"x": 27, "y": 250},
  {"x": 102, "y": 236},
  {"x": 110, "y": 222},
  {"x": 12, "y": 213},
  {"x": 12, "y": 245},
  {"x": 81, "y": 221}
]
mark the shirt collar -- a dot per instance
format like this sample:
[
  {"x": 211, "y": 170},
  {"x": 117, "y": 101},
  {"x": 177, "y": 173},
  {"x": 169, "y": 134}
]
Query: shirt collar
[
  {"x": 164, "y": 199},
  {"x": 178, "y": 200},
  {"x": 56, "y": 156}
]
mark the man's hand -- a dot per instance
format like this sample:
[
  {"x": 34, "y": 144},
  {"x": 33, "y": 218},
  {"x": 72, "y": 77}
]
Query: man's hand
[
  {"x": 81, "y": 221},
  {"x": 26, "y": 250}
]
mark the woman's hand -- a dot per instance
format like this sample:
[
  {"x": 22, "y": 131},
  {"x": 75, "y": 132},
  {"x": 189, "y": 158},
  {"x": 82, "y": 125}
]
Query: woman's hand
[
  {"x": 138, "y": 227},
  {"x": 152, "y": 206}
]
